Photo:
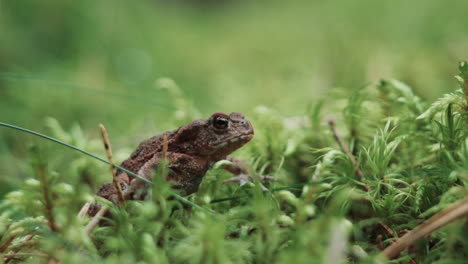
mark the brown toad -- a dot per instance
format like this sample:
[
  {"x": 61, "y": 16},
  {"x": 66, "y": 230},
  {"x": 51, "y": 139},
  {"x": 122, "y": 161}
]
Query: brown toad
[{"x": 192, "y": 150}]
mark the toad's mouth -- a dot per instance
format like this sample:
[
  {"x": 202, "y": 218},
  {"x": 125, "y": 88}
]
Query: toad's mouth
[{"x": 234, "y": 139}]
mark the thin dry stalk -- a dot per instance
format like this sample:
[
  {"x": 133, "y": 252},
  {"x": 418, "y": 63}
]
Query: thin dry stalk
[
  {"x": 311, "y": 194},
  {"x": 388, "y": 229},
  {"x": 7, "y": 258},
  {"x": 463, "y": 68},
  {"x": 345, "y": 149},
  {"x": 165, "y": 146},
  {"x": 164, "y": 154},
  {"x": 15, "y": 255},
  {"x": 380, "y": 244},
  {"x": 393, "y": 234},
  {"x": 455, "y": 211},
  {"x": 7, "y": 243},
  {"x": 40, "y": 167},
  {"x": 108, "y": 148},
  {"x": 84, "y": 210},
  {"x": 95, "y": 220},
  {"x": 12, "y": 256},
  {"x": 465, "y": 84}
]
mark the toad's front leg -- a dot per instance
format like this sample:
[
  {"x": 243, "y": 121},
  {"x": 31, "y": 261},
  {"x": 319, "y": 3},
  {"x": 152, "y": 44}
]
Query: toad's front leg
[
  {"x": 240, "y": 168},
  {"x": 185, "y": 172}
]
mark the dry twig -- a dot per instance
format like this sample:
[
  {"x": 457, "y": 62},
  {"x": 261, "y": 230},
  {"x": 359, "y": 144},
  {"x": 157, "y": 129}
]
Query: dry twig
[
  {"x": 108, "y": 148},
  {"x": 388, "y": 229},
  {"x": 345, "y": 149},
  {"x": 164, "y": 154},
  {"x": 7, "y": 243},
  {"x": 41, "y": 172},
  {"x": 453, "y": 212},
  {"x": 84, "y": 210},
  {"x": 40, "y": 168},
  {"x": 95, "y": 220},
  {"x": 391, "y": 233},
  {"x": 165, "y": 146},
  {"x": 10, "y": 255},
  {"x": 14, "y": 255},
  {"x": 380, "y": 244}
]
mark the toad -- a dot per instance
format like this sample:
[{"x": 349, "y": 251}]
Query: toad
[{"x": 192, "y": 151}]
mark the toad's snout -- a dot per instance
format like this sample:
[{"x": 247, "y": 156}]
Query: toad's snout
[
  {"x": 245, "y": 125},
  {"x": 248, "y": 126}
]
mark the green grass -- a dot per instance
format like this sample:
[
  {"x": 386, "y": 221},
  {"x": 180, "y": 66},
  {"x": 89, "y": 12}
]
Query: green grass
[
  {"x": 412, "y": 157},
  {"x": 144, "y": 67}
]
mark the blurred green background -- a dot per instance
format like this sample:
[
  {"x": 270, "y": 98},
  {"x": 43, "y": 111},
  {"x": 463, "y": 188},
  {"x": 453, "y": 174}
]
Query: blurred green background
[{"x": 91, "y": 62}]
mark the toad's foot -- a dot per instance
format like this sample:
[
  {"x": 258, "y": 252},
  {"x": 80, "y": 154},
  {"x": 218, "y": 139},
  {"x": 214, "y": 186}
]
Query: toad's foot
[{"x": 242, "y": 179}]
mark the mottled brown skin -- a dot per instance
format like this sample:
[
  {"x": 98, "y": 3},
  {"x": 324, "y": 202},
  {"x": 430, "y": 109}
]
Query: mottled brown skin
[{"x": 192, "y": 150}]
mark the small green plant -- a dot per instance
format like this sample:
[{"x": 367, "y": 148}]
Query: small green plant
[{"x": 345, "y": 190}]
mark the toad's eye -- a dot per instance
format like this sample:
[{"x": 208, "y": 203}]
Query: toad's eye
[{"x": 220, "y": 122}]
